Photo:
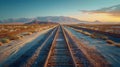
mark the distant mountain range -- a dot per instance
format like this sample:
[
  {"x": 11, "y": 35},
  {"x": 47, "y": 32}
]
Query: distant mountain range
[
  {"x": 40, "y": 22},
  {"x": 18, "y": 20},
  {"x": 56, "y": 19}
]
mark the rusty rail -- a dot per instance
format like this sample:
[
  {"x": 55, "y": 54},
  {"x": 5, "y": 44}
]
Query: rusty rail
[{"x": 53, "y": 44}]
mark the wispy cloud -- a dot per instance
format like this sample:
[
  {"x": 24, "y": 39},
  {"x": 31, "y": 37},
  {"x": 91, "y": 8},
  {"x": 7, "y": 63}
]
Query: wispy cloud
[{"x": 113, "y": 10}]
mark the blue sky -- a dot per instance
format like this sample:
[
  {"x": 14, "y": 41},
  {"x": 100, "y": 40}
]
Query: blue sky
[{"x": 35, "y": 8}]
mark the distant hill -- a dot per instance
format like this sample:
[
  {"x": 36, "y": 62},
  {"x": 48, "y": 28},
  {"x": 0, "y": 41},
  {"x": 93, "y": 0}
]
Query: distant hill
[
  {"x": 18, "y": 20},
  {"x": 40, "y": 22},
  {"x": 59, "y": 19},
  {"x": 56, "y": 19}
]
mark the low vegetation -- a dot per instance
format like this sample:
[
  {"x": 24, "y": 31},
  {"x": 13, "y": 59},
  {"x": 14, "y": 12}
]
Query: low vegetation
[
  {"x": 101, "y": 36},
  {"x": 5, "y": 40},
  {"x": 1, "y": 44},
  {"x": 109, "y": 29},
  {"x": 15, "y": 32},
  {"x": 110, "y": 41},
  {"x": 117, "y": 44}
]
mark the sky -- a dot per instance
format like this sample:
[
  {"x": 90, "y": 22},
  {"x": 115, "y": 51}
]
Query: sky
[{"x": 87, "y": 10}]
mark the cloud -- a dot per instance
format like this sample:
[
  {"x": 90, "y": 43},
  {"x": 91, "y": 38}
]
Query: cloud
[{"x": 113, "y": 10}]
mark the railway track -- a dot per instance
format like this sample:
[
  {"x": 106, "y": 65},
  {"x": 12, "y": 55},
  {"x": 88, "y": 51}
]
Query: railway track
[
  {"x": 60, "y": 54},
  {"x": 58, "y": 49}
]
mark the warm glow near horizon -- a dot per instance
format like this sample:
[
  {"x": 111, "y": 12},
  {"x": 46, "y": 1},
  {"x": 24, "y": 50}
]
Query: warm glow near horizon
[{"x": 102, "y": 17}]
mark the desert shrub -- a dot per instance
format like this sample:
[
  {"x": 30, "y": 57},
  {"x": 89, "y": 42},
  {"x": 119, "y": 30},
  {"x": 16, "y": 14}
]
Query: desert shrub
[
  {"x": 104, "y": 37},
  {"x": 1, "y": 44},
  {"x": 33, "y": 31},
  {"x": 117, "y": 45},
  {"x": 13, "y": 37},
  {"x": 93, "y": 36},
  {"x": 110, "y": 41},
  {"x": 5, "y": 40},
  {"x": 27, "y": 33},
  {"x": 21, "y": 36},
  {"x": 87, "y": 33}
]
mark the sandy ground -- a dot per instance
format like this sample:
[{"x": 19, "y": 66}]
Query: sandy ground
[{"x": 9, "y": 50}]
